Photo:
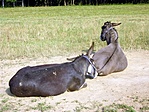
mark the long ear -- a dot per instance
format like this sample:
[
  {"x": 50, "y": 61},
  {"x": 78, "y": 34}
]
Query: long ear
[
  {"x": 71, "y": 59},
  {"x": 115, "y": 24},
  {"x": 89, "y": 52}
]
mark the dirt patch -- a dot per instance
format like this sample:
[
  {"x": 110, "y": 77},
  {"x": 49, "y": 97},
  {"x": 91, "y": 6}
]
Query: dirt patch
[{"x": 126, "y": 90}]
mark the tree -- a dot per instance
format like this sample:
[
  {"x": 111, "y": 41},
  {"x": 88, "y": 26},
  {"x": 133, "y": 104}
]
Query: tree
[
  {"x": 65, "y": 3},
  {"x": 13, "y": 1},
  {"x": 72, "y": 2},
  {"x": 3, "y": 3},
  {"x": 22, "y": 3}
]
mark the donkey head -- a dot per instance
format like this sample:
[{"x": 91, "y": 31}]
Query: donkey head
[
  {"x": 85, "y": 61},
  {"x": 108, "y": 32}
]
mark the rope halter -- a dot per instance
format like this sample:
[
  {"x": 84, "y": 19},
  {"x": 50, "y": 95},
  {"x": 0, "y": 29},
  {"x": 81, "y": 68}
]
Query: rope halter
[
  {"x": 92, "y": 71},
  {"x": 108, "y": 31}
]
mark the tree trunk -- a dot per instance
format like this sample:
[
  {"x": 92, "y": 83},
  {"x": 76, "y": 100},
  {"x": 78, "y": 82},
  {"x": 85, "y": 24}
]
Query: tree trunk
[
  {"x": 28, "y": 3},
  {"x": 13, "y": 4},
  {"x": 64, "y": 2},
  {"x": 45, "y": 2},
  {"x": 22, "y": 3},
  {"x": 3, "y": 3},
  {"x": 73, "y": 2}
]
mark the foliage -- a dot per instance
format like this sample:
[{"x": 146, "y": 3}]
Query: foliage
[{"x": 11, "y": 0}]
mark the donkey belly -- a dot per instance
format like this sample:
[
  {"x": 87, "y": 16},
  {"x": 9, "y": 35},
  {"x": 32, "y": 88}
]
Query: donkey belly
[
  {"x": 37, "y": 89},
  {"x": 121, "y": 63},
  {"x": 120, "y": 67},
  {"x": 52, "y": 89}
]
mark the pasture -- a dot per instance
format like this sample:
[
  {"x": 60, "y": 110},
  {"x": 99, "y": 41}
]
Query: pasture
[
  {"x": 41, "y": 35},
  {"x": 52, "y": 31}
]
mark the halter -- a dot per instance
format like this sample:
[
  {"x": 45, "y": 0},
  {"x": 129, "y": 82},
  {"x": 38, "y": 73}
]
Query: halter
[
  {"x": 95, "y": 70},
  {"x": 108, "y": 31}
]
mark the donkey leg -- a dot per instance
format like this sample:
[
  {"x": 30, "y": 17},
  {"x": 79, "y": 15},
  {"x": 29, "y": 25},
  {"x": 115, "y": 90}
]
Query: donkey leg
[
  {"x": 101, "y": 73},
  {"x": 77, "y": 87},
  {"x": 84, "y": 85}
]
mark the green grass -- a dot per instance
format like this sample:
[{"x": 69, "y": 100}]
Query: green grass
[
  {"x": 42, "y": 107},
  {"x": 117, "y": 107},
  {"x": 46, "y": 105},
  {"x": 51, "y": 31}
]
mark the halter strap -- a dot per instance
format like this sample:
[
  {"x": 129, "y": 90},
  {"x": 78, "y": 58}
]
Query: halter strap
[
  {"x": 94, "y": 68},
  {"x": 109, "y": 30},
  {"x": 86, "y": 57}
]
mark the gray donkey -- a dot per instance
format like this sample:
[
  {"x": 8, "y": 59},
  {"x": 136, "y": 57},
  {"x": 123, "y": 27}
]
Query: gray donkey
[{"x": 110, "y": 58}]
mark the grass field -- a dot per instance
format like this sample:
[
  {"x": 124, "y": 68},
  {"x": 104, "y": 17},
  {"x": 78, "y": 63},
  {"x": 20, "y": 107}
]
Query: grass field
[{"x": 52, "y": 31}]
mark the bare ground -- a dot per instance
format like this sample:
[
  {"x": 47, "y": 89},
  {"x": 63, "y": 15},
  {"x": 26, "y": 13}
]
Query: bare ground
[{"x": 123, "y": 91}]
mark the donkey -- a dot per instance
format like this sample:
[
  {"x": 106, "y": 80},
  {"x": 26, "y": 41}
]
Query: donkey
[
  {"x": 91, "y": 72},
  {"x": 110, "y": 58},
  {"x": 51, "y": 80}
]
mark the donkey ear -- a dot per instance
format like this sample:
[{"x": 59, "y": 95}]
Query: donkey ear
[
  {"x": 90, "y": 50},
  {"x": 71, "y": 59},
  {"x": 115, "y": 24}
]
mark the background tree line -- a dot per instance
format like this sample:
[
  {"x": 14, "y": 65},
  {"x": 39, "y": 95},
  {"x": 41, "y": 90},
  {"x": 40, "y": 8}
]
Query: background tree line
[{"x": 26, "y": 3}]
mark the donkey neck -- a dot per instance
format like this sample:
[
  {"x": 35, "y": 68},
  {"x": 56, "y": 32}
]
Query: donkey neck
[
  {"x": 81, "y": 65},
  {"x": 115, "y": 46},
  {"x": 114, "y": 36}
]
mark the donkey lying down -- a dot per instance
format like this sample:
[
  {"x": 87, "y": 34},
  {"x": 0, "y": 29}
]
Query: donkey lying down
[
  {"x": 50, "y": 80},
  {"x": 110, "y": 58}
]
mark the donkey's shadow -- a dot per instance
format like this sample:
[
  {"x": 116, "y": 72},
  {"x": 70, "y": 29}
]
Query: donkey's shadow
[{"x": 8, "y": 92}]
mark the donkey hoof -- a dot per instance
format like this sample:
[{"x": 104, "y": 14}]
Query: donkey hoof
[
  {"x": 84, "y": 85},
  {"x": 100, "y": 74}
]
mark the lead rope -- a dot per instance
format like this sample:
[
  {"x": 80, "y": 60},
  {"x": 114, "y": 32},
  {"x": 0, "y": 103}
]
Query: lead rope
[
  {"x": 108, "y": 59},
  {"x": 113, "y": 51}
]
